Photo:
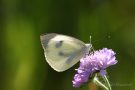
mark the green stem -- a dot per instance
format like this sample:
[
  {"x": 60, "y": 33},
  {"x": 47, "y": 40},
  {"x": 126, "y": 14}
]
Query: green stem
[
  {"x": 106, "y": 80},
  {"x": 99, "y": 83}
]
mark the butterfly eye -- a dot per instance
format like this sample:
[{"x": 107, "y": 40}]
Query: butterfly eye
[{"x": 58, "y": 44}]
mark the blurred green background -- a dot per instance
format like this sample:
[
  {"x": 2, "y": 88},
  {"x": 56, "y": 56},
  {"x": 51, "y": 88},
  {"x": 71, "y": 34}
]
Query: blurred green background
[{"x": 111, "y": 23}]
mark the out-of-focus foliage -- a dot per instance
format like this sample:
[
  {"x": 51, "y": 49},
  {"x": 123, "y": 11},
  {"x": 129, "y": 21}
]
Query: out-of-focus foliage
[{"x": 111, "y": 23}]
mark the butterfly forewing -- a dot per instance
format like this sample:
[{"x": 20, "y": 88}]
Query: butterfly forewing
[{"x": 62, "y": 51}]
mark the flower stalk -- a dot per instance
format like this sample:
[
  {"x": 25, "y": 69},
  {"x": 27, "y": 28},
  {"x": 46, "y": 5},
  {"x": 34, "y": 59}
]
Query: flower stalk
[
  {"x": 96, "y": 81},
  {"x": 107, "y": 82}
]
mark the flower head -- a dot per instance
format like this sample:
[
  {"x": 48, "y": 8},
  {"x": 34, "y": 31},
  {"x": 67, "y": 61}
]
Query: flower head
[{"x": 98, "y": 61}]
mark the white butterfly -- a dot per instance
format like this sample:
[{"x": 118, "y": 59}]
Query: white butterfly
[{"x": 61, "y": 51}]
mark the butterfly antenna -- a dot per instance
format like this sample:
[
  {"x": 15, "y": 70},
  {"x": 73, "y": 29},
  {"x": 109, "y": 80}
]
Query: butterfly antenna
[
  {"x": 92, "y": 48},
  {"x": 90, "y": 39}
]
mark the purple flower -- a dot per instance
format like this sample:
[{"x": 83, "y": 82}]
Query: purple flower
[{"x": 98, "y": 61}]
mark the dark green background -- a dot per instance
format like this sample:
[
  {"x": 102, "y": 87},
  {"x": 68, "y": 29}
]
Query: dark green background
[{"x": 111, "y": 23}]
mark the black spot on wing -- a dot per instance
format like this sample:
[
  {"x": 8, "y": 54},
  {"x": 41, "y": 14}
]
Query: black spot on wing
[
  {"x": 58, "y": 44},
  {"x": 46, "y": 38},
  {"x": 63, "y": 54}
]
